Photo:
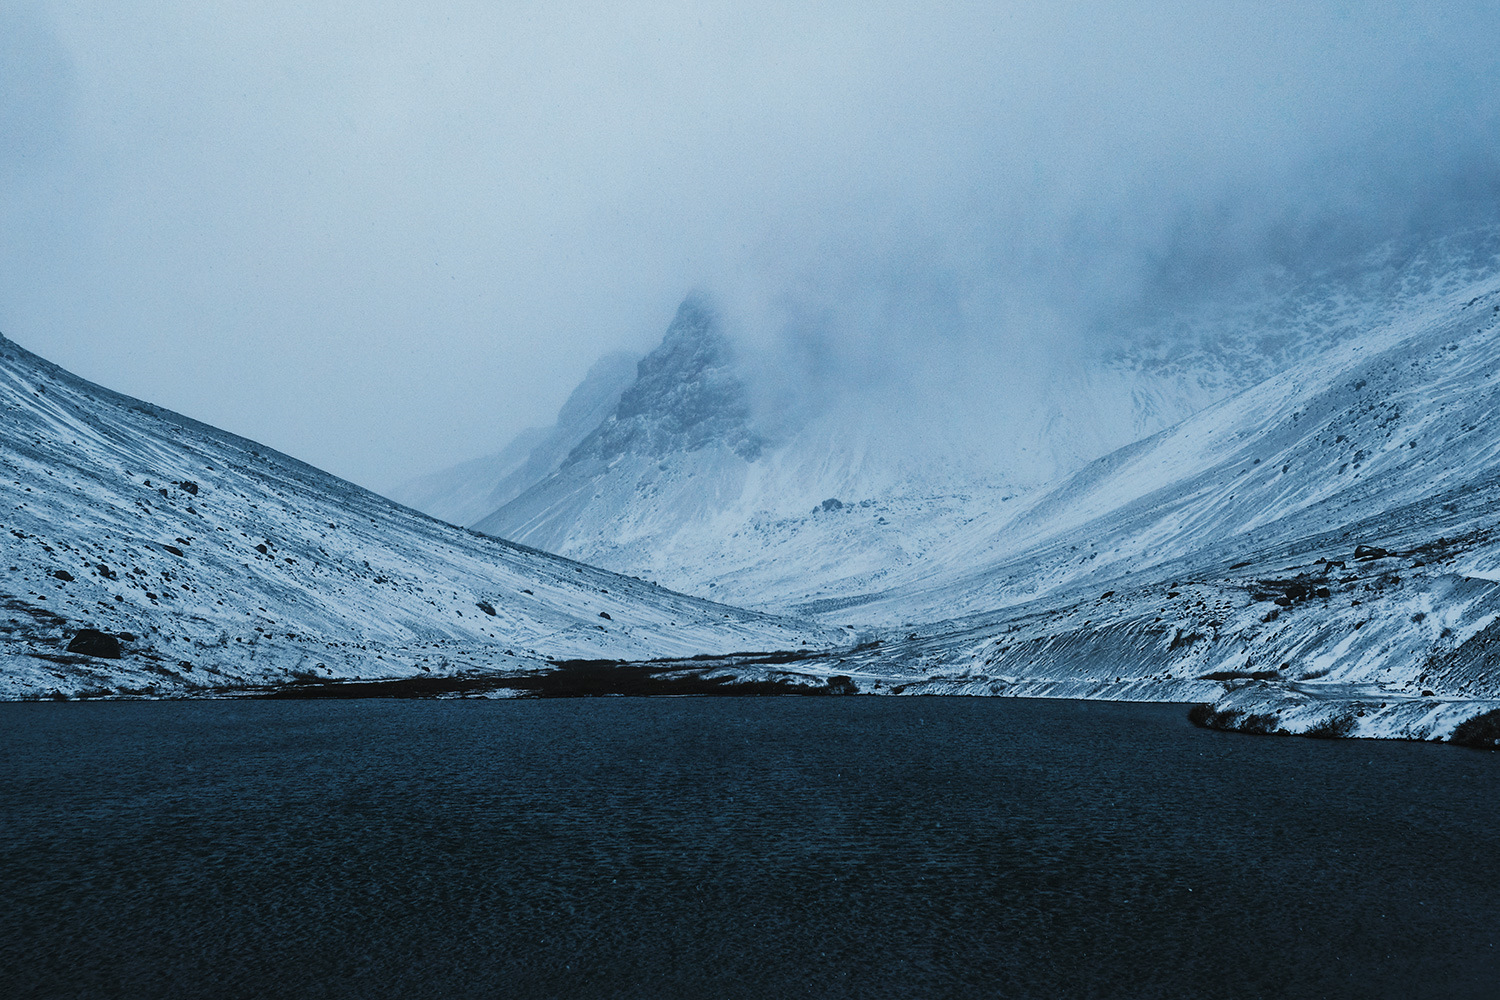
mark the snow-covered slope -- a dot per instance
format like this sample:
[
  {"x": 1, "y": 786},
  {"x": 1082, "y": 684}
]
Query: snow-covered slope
[
  {"x": 222, "y": 563},
  {"x": 681, "y": 485},
  {"x": 1270, "y": 320},
  {"x": 1371, "y": 426},
  {"x": 684, "y": 484},
  {"x": 1318, "y": 553},
  {"x": 472, "y": 490}
]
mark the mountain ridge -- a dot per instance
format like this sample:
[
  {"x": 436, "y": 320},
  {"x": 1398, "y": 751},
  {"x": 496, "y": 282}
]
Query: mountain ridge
[{"x": 685, "y": 396}]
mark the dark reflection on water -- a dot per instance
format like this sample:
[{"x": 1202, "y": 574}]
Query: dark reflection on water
[{"x": 741, "y": 847}]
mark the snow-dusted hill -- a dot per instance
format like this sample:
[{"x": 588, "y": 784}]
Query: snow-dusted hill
[
  {"x": 1319, "y": 552},
  {"x": 222, "y": 563}
]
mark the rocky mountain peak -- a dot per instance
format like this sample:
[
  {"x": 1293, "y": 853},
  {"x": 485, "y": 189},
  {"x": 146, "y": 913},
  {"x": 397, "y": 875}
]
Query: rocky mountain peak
[{"x": 686, "y": 396}]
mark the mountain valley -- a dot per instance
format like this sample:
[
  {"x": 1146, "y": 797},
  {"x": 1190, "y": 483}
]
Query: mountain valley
[{"x": 1301, "y": 540}]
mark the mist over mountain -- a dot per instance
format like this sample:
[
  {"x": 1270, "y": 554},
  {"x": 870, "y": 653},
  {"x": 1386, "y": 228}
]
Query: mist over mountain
[
  {"x": 388, "y": 240},
  {"x": 685, "y": 396},
  {"x": 701, "y": 481},
  {"x": 1108, "y": 351}
]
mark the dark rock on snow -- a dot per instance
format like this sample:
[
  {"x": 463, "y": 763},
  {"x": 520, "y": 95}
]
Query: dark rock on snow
[{"x": 92, "y": 642}]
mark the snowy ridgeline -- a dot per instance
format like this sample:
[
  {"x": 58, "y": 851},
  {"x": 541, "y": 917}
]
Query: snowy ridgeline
[{"x": 1309, "y": 550}]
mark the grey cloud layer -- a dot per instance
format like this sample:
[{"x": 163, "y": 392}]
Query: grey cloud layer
[{"x": 384, "y": 238}]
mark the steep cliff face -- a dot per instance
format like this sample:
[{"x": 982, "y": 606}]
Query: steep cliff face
[
  {"x": 686, "y": 397},
  {"x": 676, "y": 453}
]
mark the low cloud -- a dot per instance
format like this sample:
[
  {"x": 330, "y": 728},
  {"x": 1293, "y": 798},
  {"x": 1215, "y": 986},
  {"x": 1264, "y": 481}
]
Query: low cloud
[{"x": 385, "y": 238}]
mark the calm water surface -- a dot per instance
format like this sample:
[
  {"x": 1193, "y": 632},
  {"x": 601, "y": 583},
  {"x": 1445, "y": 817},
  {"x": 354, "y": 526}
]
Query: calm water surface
[{"x": 829, "y": 847}]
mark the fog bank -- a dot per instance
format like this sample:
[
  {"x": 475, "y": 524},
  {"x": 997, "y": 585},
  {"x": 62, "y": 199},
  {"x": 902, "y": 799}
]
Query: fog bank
[{"x": 384, "y": 239}]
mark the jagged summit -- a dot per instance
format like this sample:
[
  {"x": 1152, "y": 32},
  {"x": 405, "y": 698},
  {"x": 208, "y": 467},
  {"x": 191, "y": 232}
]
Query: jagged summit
[{"x": 686, "y": 397}]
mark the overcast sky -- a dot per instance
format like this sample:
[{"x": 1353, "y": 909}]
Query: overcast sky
[{"x": 384, "y": 238}]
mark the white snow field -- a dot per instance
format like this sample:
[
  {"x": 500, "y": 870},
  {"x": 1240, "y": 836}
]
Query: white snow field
[{"x": 685, "y": 485}]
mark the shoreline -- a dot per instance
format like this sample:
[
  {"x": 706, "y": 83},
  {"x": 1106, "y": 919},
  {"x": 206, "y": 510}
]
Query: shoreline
[{"x": 1258, "y": 708}]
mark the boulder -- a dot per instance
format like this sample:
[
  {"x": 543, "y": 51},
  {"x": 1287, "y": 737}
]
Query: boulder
[{"x": 92, "y": 642}]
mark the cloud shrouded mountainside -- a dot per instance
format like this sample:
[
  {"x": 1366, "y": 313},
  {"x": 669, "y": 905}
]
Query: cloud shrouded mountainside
[
  {"x": 1313, "y": 550},
  {"x": 218, "y": 563},
  {"x": 1316, "y": 553},
  {"x": 695, "y": 482},
  {"x": 1313, "y": 544}
]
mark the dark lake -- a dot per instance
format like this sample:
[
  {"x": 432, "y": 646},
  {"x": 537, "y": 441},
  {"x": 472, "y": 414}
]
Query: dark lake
[{"x": 758, "y": 847}]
